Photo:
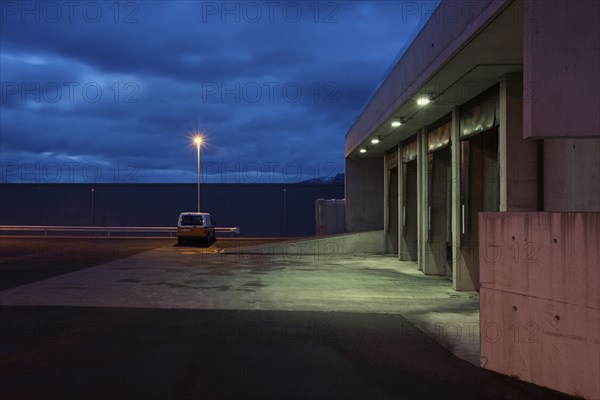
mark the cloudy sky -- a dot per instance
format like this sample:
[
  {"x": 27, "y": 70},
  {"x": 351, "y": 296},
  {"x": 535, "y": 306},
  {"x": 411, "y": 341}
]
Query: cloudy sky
[{"x": 113, "y": 91}]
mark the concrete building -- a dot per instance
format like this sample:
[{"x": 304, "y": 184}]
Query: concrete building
[{"x": 479, "y": 157}]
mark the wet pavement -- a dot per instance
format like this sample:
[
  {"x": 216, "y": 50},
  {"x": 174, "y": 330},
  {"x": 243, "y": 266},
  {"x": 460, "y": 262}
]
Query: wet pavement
[{"x": 192, "y": 322}]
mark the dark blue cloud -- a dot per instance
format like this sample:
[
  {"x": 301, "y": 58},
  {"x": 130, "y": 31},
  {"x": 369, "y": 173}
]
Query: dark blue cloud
[{"x": 124, "y": 85}]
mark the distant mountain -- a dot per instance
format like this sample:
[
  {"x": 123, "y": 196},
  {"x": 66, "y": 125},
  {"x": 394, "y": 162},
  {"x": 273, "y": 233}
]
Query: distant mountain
[{"x": 338, "y": 179}]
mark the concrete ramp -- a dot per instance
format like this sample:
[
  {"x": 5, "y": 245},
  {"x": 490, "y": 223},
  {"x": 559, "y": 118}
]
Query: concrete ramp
[{"x": 372, "y": 242}]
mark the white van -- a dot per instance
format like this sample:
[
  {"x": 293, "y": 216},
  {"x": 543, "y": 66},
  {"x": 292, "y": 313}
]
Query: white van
[{"x": 195, "y": 226}]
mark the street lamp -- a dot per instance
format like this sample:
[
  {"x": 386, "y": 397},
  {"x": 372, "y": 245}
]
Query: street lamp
[
  {"x": 198, "y": 141},
  {"x": 284, "y": 212},
  {"x": 93, "y": 220}
]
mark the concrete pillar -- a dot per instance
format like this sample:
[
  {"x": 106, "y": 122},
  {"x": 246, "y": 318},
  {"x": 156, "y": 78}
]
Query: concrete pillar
[
  {"x": 386, "y": 204},
  {"x": 517, "y": 157},
  {"x": 363, "y": 188},
  {"x": 423, "y": 201},
  {"x": 420, "y": 208},
  {"x": 401, "y": 207},
  {"x": 386, "y": 196},
  {"x": 461, "y": 279},
  {"x": 399, "y": 200}
]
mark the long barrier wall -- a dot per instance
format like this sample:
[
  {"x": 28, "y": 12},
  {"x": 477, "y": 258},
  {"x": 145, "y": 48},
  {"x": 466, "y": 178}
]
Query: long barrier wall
[
  {"x": 326, "y": 246},
  {"x": 257, "y": 209},
  {"x": 540, "y": 298}
]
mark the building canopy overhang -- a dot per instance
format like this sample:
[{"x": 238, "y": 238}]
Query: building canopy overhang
[{"x": 450, "y": 61}]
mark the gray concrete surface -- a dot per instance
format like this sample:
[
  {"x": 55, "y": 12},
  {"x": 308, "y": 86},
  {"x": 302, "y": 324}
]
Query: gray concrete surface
[{"x": 201, "y": 278}]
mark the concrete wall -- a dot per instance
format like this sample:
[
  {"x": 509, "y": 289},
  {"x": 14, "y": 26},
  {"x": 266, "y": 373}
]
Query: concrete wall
[
  {"x": 572, "y": 175},
  {"x": 364, "y": 194},
  {"x": 326, "y": 248},
  {"x": 561, "y": 63},
  {"x": 540, "y": 298}
]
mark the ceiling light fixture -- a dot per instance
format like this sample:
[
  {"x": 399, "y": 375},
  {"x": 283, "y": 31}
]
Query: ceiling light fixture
[
  {"x": 396, "y": 122},
  {"x": 424, "y": 99}
]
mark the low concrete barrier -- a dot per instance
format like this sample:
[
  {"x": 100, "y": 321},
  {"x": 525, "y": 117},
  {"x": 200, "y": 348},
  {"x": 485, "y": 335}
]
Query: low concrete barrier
[
  {"x": 350, "y": 243},
  {"x": 130, "y": 230}
]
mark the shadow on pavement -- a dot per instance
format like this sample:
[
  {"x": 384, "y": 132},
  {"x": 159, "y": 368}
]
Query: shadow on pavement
[
  {"x": 26, "y": 260},
  {"x": 118, "y": 353}
]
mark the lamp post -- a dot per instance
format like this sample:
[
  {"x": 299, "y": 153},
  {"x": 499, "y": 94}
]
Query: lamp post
[
  {"x": 93, "y": 214},
  {"x": 198, "y": 141},
  {"x": 284, "y": 212}
]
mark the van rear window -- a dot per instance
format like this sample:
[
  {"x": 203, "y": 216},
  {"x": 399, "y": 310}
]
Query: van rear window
[{"x": 192, "y": 220}]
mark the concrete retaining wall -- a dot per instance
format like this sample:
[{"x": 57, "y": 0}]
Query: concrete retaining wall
[
  {"x": 540, "y": 298},
  {"x": 353, "y": 243}
]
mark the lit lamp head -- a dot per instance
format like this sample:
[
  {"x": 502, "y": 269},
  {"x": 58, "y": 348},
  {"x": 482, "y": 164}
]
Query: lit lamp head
[
  {"x": 424, "y": 99},
  {"x": 363, "y": 150},
  {"x": 396, "y": 122},
  {"x": 198, "y": 140}
]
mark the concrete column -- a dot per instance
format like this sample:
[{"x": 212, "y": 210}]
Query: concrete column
[
  {"x": 461, "y": 279},
  {"x": 421, "y": 220},
  {"x": 502, "y": 159},
  {"x": 423, "y": 201},
  {"x": 386, "y": 204},
  {"x": 386, "y": 195},
  {"x": 400, "y": 203}
]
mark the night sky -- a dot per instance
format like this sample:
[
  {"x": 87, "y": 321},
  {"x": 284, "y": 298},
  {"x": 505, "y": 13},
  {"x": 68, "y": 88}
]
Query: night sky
[{"x": 114, "y": 91}]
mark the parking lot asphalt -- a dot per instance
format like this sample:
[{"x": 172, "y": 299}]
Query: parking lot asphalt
[
  {"x": 29, "y": 259},
  {"x": 190, "y": 322}
]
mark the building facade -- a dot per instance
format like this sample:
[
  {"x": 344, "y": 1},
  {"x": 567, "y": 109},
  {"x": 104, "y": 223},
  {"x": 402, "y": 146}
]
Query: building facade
[{"x": 479, "y": 157}]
